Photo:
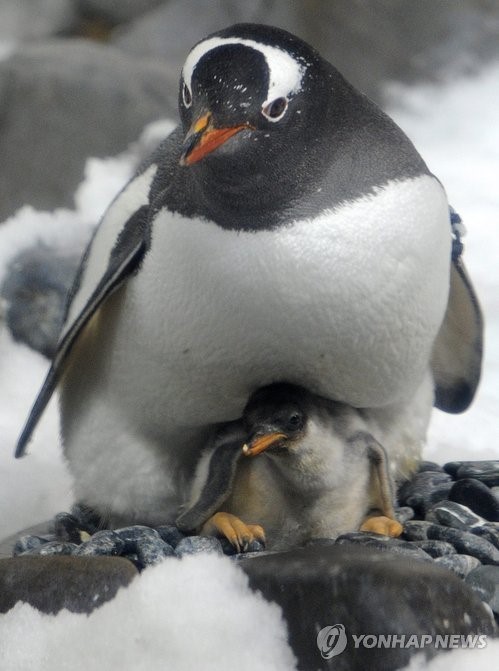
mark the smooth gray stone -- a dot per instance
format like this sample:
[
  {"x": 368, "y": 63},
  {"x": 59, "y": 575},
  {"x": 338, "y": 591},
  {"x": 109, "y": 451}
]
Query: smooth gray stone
[
  {"x": 476, "y": 495},
  {"x": 170, "y": 534},
  {"x": 484, "y": 580},
  {"x": 367, "y": 592},
  {"x": 485, "y": 471},
  {"x": 50, "y": 584},
  {"x": 191, "y": 545},
  {"x": 430, "y": 466},
  {"x": 452, "y": 514},
  {"x": 459, "y": 564},
  {"x": 466, "y": 543},
  {"x": 435, "y": 548},
  {"x": 384, "y": 544},
  {"x": 102, "y": 543},
  {"x": 416, "y": 530},
  {"x": 100, "y": 100},
  {"x": 424, "y": 490},
  {"x": 53, "y": 548},
  {"x": 131, "y": 535},
  {"x": 29, "y": 542},
  {"x": 404, "y": 514},
  {"x": 489, "y": 532},
  {"x": 152, "y": 551}
]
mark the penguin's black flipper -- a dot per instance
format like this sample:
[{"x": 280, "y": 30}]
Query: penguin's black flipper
[
  {"x": 217, "y": 487},
  {"x": 100, "y": 274},
  {"x": 457, "y": 354}
]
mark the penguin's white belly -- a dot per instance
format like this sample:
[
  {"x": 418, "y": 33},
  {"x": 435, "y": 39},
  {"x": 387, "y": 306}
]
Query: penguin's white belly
[{"x": 347, "y": 305}]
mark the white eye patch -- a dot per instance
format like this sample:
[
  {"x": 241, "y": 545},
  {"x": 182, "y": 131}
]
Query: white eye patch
[{"x": 285, "y": 73}]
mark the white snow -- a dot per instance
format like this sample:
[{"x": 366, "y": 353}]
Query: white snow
[
  {"x": 194, "y": 613},
  {"x": 174, "y": 613}
]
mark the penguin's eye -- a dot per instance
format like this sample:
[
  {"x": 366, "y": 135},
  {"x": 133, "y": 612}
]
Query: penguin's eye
[
  {"x": 295, "y": 422},
  {"x": 186, "y": 95},
  {"x": 276, "y": 109}
]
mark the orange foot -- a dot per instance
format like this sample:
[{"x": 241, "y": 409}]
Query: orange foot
[
  {"x": 234, "y": 529},
  {"x": 382, "y": 525}
]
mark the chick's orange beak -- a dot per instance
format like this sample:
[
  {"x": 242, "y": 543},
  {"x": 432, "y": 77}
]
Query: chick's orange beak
[
  {"x": 262, "y": 443},
  {"x": 203, "y": 138}
]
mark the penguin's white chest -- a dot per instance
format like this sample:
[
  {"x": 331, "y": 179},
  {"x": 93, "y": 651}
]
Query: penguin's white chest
[{"x": 347, "y": 305}]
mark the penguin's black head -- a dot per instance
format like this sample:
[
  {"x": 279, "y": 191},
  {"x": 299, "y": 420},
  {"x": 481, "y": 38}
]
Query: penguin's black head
[
  {"x": 254, "y": 99},
  {"x": 275, "y": 417}
]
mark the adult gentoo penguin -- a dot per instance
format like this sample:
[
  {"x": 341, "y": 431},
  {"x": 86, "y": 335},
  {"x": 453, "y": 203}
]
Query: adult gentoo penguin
[
  {"x": 314, "y": 471},
  {"x": 286, "y": 231}
]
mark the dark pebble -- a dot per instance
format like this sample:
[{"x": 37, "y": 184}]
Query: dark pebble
[
  {"x": 495, "y": 491},
  {"x": 416, "y": 530},
  {"x": 133, "y": 534},
  {"x": 430, "y": 466},
  {"x": 103, "y": 543},
  {"x": 54, "y": 548},
  {"x": 192, "y": 545},
  {"x": 466, "y": 543},
  {"x": 488, "y": 532},
  {"x": 28, "y": 543},
  {"x": 459, "y": 564},
  {"x": 484, "y": 580},
  {"x": 477, "y": 496},
  {"x": 485, "y": 471},
  {"x": 435, "y": 548},
  {"x": 451, "y": 467},
  {"x": 170, "y": 534},
  {"x": 151, "y": 551},
  {"x": 424, "y": 490},
  {"x": 404, "y": 514},
  {"x": 452, "y": 514},
  {"x": 384, "y": 543}
]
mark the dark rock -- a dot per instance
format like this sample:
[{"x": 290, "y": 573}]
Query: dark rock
[
  {"x": 170, "y": 534},
  {"x": 53, "y": 548},
  {"x": 192, "y": 545},
  {"x": 435, "y": 548},
  {"x": 424, "y": 490},
  {"x": 476, "y": 495},
  {"x": 416, "y": 530},
  {"x": 152, "y": 551},
  {"x": 451, "y": 467},
  {"x": 495, "y": 491},
  {"x": 50, "y": 584},
  {"x": 133, "y": 534},
  {"x": 459, "y": 564},
  {"x": 28, "y": 543},
  {"x": 385, "y": 544},
  {"x": 404, "y": 514},
  {"x": 485, "y": 471},
  {"x": 430, "y": 466},
  {"x": 46, "y": 139},
  {"x": 484, "y": 580},
  {"x": 489, "y": 532},
  {"x": 320, "y": 581},
  {"x": 466, "y": 543},
  {"x": 35, "y": 291},
  {"x": 102, "y": 543},
  {"x": 452, "y": 514}
]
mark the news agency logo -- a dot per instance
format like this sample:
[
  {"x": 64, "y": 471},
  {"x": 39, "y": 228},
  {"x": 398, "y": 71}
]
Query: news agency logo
[{"x": 332, "y": 640}]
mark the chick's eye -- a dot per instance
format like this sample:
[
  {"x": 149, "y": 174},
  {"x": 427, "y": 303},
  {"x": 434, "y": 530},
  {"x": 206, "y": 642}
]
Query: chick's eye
[
  {"x": 186, "y": 95},
  {"x": 295, "y": 421},
  {"x": 276, "y": 109}
]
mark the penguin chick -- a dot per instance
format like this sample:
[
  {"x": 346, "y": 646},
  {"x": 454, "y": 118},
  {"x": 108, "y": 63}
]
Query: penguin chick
[{"x": 309, "y": 468}]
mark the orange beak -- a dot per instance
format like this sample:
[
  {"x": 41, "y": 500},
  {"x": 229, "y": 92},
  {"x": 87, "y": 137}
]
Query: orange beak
[
  {"x": 262, "y": 443},
  {"x": 203, "y": 138}
]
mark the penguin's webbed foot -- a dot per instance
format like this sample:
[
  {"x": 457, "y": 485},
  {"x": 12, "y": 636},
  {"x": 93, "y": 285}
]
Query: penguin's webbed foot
[
  {"x": 237, "y": 532},
  {"x": 380, "y": 524}
]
